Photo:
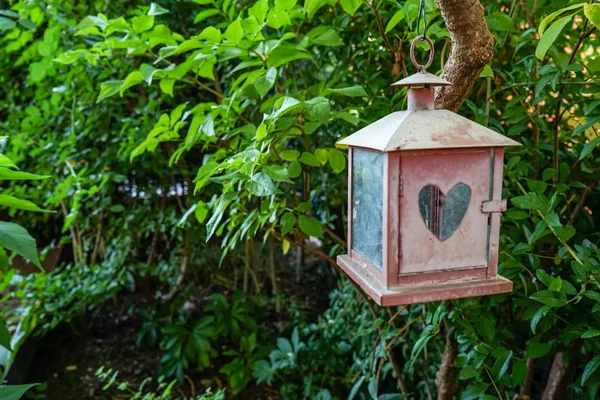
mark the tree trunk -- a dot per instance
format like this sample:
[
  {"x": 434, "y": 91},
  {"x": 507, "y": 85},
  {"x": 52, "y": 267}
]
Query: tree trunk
[
  {"x": 557, "y": 379},
  {"x": 445, "y": 379},
  {"x": 472, "y": 49}
]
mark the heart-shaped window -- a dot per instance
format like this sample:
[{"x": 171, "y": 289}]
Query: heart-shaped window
[{"x": 443, "y": 213}]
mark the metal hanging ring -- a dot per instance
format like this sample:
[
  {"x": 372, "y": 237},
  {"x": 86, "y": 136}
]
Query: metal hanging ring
[{"x": 421, "y": 68}]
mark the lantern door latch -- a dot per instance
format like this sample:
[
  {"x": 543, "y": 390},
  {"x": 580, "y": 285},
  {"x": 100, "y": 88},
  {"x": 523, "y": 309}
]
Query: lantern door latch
[{"x": 490, "y": 206}]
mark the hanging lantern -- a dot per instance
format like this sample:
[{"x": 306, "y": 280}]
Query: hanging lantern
[{"x": 425, "y": 197}]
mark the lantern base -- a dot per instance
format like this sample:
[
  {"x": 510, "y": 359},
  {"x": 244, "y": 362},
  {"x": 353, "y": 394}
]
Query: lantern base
[{"x": 422, "y": 293}]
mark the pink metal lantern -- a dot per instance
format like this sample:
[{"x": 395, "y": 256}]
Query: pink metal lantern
[{"x": 424, "y": 204}]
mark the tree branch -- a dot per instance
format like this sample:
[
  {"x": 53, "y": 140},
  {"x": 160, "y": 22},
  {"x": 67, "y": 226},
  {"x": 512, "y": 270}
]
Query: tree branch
[{"x": 472, "y": 49}]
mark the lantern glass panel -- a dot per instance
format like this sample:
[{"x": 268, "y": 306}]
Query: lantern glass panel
[{"x": 367, "y": 205}]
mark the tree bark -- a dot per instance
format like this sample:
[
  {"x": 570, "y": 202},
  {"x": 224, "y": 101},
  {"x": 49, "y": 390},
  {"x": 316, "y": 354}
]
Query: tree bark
[
  {"x": 472, "y": 49},
  {"x": 558, "y": 379},
  {"x": 445, "y": 379}
]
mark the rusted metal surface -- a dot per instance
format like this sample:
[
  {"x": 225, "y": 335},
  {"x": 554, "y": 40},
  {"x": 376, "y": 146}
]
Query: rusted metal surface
[
  {"x": 423, "y": 130},
  {"x": 421, "y": 68},
  {"x": 422, "y": 251},
  {"x": 411, "y": 293},
  {"x": 493, "y": 206},
  {"x": 421, "y": 79}
]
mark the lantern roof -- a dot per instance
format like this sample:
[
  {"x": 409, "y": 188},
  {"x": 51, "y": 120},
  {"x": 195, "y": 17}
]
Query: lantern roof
[{"x": 425, "y": 130}]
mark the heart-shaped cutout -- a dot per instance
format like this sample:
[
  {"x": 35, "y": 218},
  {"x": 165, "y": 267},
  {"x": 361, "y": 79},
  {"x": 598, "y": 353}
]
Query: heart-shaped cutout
[{"x": 443, "y": 213}]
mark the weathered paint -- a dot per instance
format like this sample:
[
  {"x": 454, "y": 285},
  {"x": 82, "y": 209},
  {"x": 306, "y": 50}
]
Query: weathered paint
[
  {"x": 425, "y": 129},
  {"x": 421, "y": 79},
  {"x": 423, "y": 293},
  {"x": 493, "y": 206},
  {"x": 494, "y": 217},
  {"x": 422, "y": 251}
]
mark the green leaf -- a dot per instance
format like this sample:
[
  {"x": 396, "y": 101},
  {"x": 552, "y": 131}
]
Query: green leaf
[
  {"x": 15, "y": 238},
  {"x": 311, "y": 226},
  {"x": 14, "y": 392},
  {"x": 487, "y": 72},
  {"x": 590, "y": 334},
  {"x": 350, "y": 6},
  {"x": 592, "y": 12},
  {"x": 37, "y": 71},
  {"x": 328, "y": 38},
  {"x": 309, "y": 159},
  {"x": 132, "y": 79},
  {"x": 547, "y": 20},
  {"x": 587, "y": 149},
  {"x": 549, "y": 36},
  {"x": 13, "y": 202},
  {"x": 6, "y": 24},
  {"x": 537, "y": 350},
  {"x": 289, "y": 155},
  {"x": 356, "y": 387},
  {"x": 519, "y": 371},
  {"x": 6, "y": 162},
  {"x": 277, "y": 172},
  {"x": 351, "y": 91},
  {"x": 4, "y": 335},
  {"x": 287, "y": 222},
  {"x": 501, "y": 365},
  {"x": 109, "y": 88},
  {"x": 142, "y": 23},
  {"x": 312, "y": 6},
  {"x": 337, "y": 160},
  {"x": 475, "y": 391},
  {"x": 166, "y": 85},
  {"x": 234, "y": 32},
  {"x": 552, "y": 299},
  {"x": 10, "y": 175},
  {"x": 156, "y": 9},
  {"x": 264, "y": 83},
  {"x": 537, "y": 317},
  {"x": 202, "y": 15},
  {"x": 589, "y": 369},
  {"x": 396, "y": 18},
  {"x": 260, "y": 185},
  {"x": 501, "y": 22}
]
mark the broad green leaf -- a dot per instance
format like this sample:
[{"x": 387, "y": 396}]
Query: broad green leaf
[
  {"x": 15, "y": 238},
  {"x": 259, "y": 10},
  {"x": 277, "y": 172},
  {"x": 396, "y": 18},
  {"x": 142, "y": 23},
  {"x": 352, "y": 91},
  {"x": 311, "y": 226},
  {"x": 312, "y": 6},
  {"x": 37, "y": 71},
  {"x": 537, "y": 350},
  {"x": 132, "y": 79},
  {"x": 474, "y": 391},
  {"x": 519, "y": 371},
  {"x": 587, "y": 149},
  {"x": 337, "y": 160},
  {"x": 538, "y": 315},
  {"x": 550, "y": 35},
  {"x": 260, "y": 185},
  {"x": 14, "y": 392},
  {"x": 501, "y": 365},
  {"x": 328, "y": 38},
  {"x": 234, "y": 32},
  {"x": 350, "y": 6},
  {"x": 547, "y": 20},
  {"x": 590, "y": 368},
  {"x": 309, "y": 159},
  {"x": 10, "y": 175},
  {"x": 498, "y": 21},
  {"x": 552, "y": 299},
  {"x": 592, "y": 12},
  {"x": 202, "y": 15},
  {"x": 109, "y": 88},
  {"x": 166, "y": 85},
  {"x": 264, "y": 83},
  {"x": 590, "y": 334},
  {"x": 487, "y": 72},
  {"x": 13, "y": 202},
  {"x": 6, "y": 24},
  {"x": 357, "y": 385},
  {"x": 6, "y": 162},
  {"x": 289, "y": 155},
  {"x": 287, "y": 222}
]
